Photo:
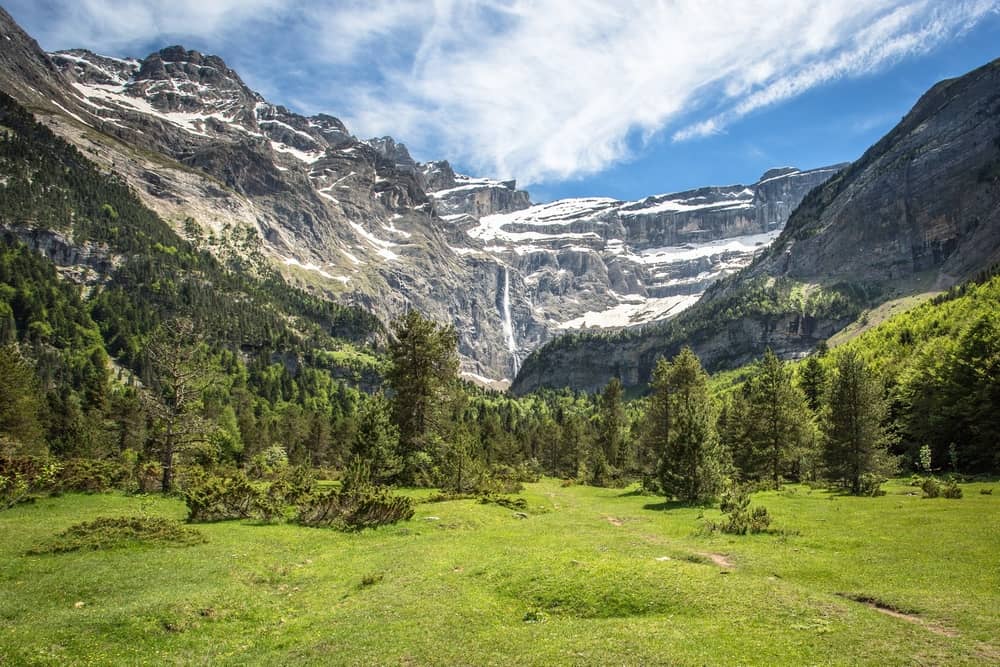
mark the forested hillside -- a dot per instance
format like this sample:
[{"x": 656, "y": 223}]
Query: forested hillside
[{"x": 104, "y": 312}]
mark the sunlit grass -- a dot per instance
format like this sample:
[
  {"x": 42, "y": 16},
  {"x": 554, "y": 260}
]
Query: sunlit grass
[{"x": 592, "y": 576}]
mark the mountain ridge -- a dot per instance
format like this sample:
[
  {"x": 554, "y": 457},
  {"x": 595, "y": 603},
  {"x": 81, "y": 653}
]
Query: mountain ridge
[
  {"x": 918, "y": 212},
  {"x": 361, "y": 222}
]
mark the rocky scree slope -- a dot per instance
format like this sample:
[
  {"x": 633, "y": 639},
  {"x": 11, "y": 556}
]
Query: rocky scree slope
[
  {"x": 363, "y": 223},
  {"x": 919, "y": 210}
]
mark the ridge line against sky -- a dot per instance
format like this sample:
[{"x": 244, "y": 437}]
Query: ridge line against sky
[{"x": 565, "y": 94}]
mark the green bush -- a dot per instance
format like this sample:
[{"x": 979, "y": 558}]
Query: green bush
[
  {"x": 356, "y": 505},
  {"x": 212, "y": 498},
  {"x": 951, "y": 490},
  {"x": 91, "y": 475},
  {"x": 934, "y": 489},
  {"x": 741, "y": 518},
  {"x": 931, "y": 488},
  {"x": 115, "y": 532},
  {"x": 503, "y": 501},
  {"x": 871, "y": 485},
  {"x": 355, "y": 510},
  {"x": 21, "y": 478}
]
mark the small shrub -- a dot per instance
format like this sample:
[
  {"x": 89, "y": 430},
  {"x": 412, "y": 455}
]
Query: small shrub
[
  {"x": 356, "y": 505},
  {"x": 91, "y": 475},
  {"x": 21, "y": 478},
  {"x": 741, "y": 519},
  {"x": 116, "y": 532},
  {"x": 355, "y": 510},
  {"x": 445, "y": 497},
  {"x": 371, "y": 579},
  {"x": 951, "y": 490},
  {"x": 871, "y": 485},
  {"x": 931, "y": 488},
  {"x": 986, "y": 492},
  {"x": 212, "y": 498},
  {"x": 502, "y": 501},
  {"x": 149, "y": 476}
]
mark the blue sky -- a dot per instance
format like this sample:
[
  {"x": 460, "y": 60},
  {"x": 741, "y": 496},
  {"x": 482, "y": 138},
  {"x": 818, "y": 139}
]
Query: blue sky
[{"x": 619, "y": 98}]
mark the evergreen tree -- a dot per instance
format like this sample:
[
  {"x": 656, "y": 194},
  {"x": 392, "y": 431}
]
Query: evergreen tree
[
  {"x": 611, "y": 424},
  {"x": 424, "y": 378},
  {"x": 733, "y": 429},
  {"x": 20, "y": 405},
  {"x": 779, "y": 426},
  {"x": 812, "y": 382},
  {"x": 656, "y": 423},
  {"x": 692, "y": 462},
  {"x": 377, "y": 439},
  {"x": 856, "y": 441}
]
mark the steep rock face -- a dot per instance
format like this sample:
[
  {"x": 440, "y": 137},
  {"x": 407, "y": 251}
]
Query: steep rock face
[
  {"x": 921, "y": 207},
  {"x": 348, "y": 219},
  {"x": 363, "y": 222},
  {"x": 924, "y": 198},
  {"x": 599, "y": 262}
]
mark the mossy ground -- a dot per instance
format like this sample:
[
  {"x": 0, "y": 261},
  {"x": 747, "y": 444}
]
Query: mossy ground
[{"x": 591, "y": 576}]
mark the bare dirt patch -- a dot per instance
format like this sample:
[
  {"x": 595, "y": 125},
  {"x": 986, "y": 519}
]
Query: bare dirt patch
[
  {"x": 895, "y": 612},
  {"x": 615, "y": 521},
  {"x": 719, "y": 559}
]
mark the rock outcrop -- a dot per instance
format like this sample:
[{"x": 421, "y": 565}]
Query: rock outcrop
[
  {"x": 363, "y": 222},
  {"x": 920, "y": 208}
]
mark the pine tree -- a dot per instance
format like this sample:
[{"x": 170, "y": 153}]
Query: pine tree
[
  {"x": 180, "y": 378},
  {"x": 856, "y": 442},
  {"x": 377, "y": 439},
  {"x": 692, "y": 462},
  {"x": 656, "y": 423},
  {"x": 779, "y": 426},
  {"x": 611, "y": 424},
  {"x": 812, "y": 382},
  {"x": 423, "y": 377},
  {"x": 20, "y": 405}
]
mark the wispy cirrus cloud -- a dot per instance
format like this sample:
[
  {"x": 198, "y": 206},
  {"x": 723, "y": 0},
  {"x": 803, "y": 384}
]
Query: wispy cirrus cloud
[{"x": 538, "y": 89}]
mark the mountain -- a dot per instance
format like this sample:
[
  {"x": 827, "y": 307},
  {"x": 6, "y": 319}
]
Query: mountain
[
  {"x": 362, "y": 223},
  {"x": 917, "y": 213}
]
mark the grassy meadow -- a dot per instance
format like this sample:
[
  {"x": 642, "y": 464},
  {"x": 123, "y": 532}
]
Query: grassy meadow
[{"x": 590, "y": 576}]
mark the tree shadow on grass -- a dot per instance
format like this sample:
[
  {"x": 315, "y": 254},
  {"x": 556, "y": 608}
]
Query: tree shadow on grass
[{"x": 667, "y": 505}]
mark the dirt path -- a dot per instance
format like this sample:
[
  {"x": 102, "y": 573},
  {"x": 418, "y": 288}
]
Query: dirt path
[
  {"x": 889, "y": 610},
  {"x": 719, "y": 559}
]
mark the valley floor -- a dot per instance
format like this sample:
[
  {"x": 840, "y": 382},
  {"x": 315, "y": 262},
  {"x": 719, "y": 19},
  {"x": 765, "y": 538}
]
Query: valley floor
[{"x": 591, "y": 576}]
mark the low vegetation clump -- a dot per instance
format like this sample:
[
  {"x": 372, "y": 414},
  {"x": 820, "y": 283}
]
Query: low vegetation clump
[
  {"x": 91, "y": 475},
  {"x": 356, "y": 505},
  {"x": 933, "y": 488},
  {"x": 740, "y": 517},
  {"x": 213, "y": 498},
  {"x": 22, "y": 478},
  {"x": 504, "y": 501},
  {"x": 293, "y": 494},
  {"x": 119, "y": 532}
]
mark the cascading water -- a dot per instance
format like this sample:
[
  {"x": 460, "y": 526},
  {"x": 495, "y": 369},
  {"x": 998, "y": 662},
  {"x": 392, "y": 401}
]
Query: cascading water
[{"x": 508, "y": 325}]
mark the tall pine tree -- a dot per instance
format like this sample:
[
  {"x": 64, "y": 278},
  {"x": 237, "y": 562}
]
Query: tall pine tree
[
  {"x": 692, "y": 463},
  {"x": 779, "y": 425},
  {"x": 423, "y": 377},
  {"x": 856, "y": 441}
]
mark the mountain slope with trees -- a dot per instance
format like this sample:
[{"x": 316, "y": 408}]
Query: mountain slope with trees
[{"x": 919, "y": 212}]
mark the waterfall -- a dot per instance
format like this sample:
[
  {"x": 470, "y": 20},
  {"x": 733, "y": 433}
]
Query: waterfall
[{"x": 508, "y": 325}]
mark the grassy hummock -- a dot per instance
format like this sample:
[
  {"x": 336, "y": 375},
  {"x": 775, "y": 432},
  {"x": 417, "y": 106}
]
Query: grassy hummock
[{"x": 583, "y": 576}]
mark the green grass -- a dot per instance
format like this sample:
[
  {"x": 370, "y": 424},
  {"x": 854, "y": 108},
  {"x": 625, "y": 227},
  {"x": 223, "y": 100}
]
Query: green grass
[{"x": 592, "y": 576}]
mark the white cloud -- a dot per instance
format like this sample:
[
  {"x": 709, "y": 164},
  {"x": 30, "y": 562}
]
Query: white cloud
[
  {"x": 117, "y": 25},
  {"x": 552, "y": 90},
  {"x": 540, "y": 90}
]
